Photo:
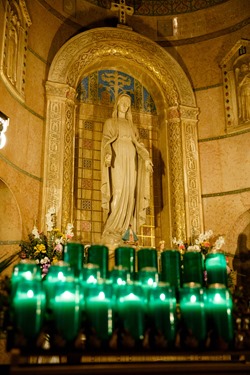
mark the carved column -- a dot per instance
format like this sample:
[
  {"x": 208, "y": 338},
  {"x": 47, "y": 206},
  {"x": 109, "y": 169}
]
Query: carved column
[
  {"x": 191, "y": 170},
  {"x": 176, "y": 173},
  {"x": 59, "y": 152},
  {"x": 186, "y": 208}
]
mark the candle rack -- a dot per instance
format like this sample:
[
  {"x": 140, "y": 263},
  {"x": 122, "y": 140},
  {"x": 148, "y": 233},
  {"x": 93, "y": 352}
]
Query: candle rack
[{"x": 126, "y": 311}]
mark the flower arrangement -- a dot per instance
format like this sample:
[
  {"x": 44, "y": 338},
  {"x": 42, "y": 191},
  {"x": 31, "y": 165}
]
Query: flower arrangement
[
  {"x": 46, "y": 249},
  {"x": 202, "y": 243}
]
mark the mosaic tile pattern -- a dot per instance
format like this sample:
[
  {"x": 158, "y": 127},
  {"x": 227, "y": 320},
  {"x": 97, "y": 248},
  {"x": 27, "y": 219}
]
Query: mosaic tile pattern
[
  {"x": 160, "y": 7},
  {"x": 103, "y": 86}
]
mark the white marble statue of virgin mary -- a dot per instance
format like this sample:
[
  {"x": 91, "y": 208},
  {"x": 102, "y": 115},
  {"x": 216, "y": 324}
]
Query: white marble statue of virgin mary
[{"x": 126, "y": 169}]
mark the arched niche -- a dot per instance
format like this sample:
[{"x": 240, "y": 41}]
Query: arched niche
[{"x": 177, "y": 112}]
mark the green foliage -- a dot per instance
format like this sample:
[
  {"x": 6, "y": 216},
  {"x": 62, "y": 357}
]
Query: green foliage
[{"x": 7, "y": 261}]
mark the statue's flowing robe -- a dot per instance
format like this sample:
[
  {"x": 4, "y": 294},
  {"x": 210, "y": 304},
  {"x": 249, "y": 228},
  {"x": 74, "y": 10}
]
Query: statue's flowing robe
[{"x": 125, "y": 185}]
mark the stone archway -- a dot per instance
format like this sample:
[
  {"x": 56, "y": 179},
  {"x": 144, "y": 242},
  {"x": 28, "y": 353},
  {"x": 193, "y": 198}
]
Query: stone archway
[{"x": 110, "y": 47}]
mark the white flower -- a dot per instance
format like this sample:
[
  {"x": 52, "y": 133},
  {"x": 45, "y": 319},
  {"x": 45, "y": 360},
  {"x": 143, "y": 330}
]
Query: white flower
[
  {"x": 177, "y": 242},
  {"x": 58, "y": 240},
  {"x": 203, "y": 237},
  {"x": 208, "y": 234},
  {"x": 45, "y": 260},
  {"x": 68, "y": 231},
  {"x": 219, "y": 243},
  {"x": 35, "y": 232},
  {"x": 49, "y": 219},
  {"x": 194, "y": 248}
]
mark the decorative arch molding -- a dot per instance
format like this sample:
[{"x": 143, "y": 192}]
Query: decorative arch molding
[{"x": 113, "y": 48}]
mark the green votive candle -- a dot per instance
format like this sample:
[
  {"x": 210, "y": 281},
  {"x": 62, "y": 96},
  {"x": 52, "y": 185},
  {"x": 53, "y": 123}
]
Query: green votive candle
[
  {"x": 148, "y": 276},
  {"x": 58, "y": 273},
  {"x": 99, "y": 254},
  {"x": 66, "y": 308},
  {"x": 171, "y": 268},
  {"x": 90, "y": 273},
  {"x": 74, "y": 255},
  {"x": 193, "y": 315},
  {"x": 25, "y": 270},
  {"x": 216, "y": 267},
  {"x": 99, "y": 310},
  {"x": 193, "y": 267},
  {"x": 162, "y": 311},
  {"x": 28, "y": 306},
  {"x": 119, "y": 275},
  {"x": 147, "y": 258},
  {"x": 219, "y": 309},
  {"x": 130, "y": 306},
  {"x": 125, "y": 257}
]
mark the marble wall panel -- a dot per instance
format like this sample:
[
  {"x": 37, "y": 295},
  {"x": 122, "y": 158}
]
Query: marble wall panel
[
  {"x": 34, "y": 90},
  {"x": 225, "y": 164},
  {"x": 211, "y": 116},
  {"x": 223, "y": 213}
]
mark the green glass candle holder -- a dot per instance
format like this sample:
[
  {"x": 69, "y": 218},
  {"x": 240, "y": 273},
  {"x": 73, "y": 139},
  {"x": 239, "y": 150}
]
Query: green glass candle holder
[
  {"x": 193, "y": 314},
  {"x": 171, "y": 268},
  {"x": 99, "y": 312},
  {"x": 162, "y": 314},
  {"x": 73, "y": 254},
  {"x": 216, "y": 268},
  {"x": 119, "y": 275},
  {"x": 28, "y": 308},
  {"x": 58, "y": 273},
  {"x": 219, "y": 308},
  {"x": 99, "y": 254},
  {"x": 131, "y": 308},
  {"x": 125, "y": 257},
  {"x": 90, "y": 273},
  {"x": 148, "y": 276},
  {"x": 147, "y": 257},
  {"x": 193, "y": 271},
  {"x": 25, "y": 270},
  {"x": 66, "y": 307}
]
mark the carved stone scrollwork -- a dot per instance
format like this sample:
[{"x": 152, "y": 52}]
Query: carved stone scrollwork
[
  {"x": 13, "y": 61},
  {"x": 176, "y": 173},
  {"x": 59, "y": 152},
  {"x": 194, "y": 220},
  {"x": 184, "y": 172}
]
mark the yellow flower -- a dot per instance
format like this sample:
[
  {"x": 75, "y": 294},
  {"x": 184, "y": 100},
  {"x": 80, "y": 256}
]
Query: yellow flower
[
  {"x": 54, "y": 260},
  {"x": 40, "y": 248}
]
